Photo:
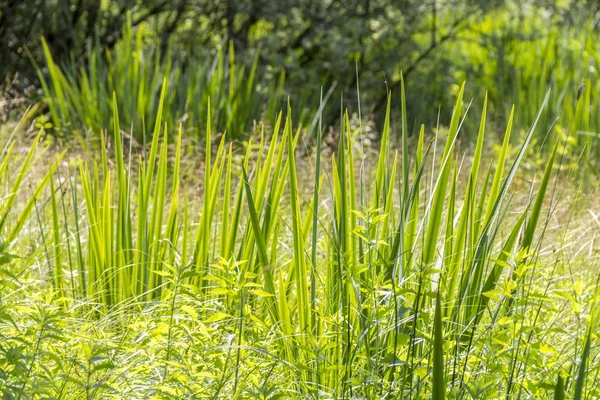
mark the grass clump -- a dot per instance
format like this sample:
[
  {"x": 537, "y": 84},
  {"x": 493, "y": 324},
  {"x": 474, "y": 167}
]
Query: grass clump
[
  {"x": 384, "y": 279},
  {"x": 79, "y": 94}
]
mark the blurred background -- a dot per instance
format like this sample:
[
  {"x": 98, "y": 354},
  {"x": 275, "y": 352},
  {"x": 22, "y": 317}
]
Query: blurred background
[{"x": 235, "y": 50}]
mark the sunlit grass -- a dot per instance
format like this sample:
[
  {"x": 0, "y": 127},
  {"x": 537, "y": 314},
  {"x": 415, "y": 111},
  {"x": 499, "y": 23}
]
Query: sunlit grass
[
  {"x": 412, "y": 275},
  {"x": 79, "y": 95}
]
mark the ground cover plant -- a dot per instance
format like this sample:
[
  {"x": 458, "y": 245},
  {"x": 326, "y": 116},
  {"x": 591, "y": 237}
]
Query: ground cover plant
[{"x": 273, "y": 270}]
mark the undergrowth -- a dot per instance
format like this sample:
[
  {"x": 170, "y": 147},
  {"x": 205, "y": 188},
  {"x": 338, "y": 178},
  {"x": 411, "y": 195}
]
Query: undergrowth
[{"x": 415, "y": 275}]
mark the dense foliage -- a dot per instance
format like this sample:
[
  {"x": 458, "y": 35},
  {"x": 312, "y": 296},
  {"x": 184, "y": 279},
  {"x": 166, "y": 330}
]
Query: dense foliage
[
  {"x": 247, "y": 206},
  {"x": 386, "y": 279},
  {"x": 317, "y": 43}
]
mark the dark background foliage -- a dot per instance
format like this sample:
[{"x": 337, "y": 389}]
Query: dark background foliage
[{"x": 317, "y": 43}]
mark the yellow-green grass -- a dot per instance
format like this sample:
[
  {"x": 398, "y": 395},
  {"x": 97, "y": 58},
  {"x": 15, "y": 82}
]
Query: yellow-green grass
[{"x": 415, "y": 274}]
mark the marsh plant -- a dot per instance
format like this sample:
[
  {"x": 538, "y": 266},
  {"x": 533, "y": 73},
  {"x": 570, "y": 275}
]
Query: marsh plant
[{"x": 270, "y": 274}]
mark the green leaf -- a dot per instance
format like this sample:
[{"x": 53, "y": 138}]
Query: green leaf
[
  {"x": 217, "y": 317},
  {"x": 559, "y": 390},
  {"x": 438, "y": 391},
  {"x": 190, "y": 310}
]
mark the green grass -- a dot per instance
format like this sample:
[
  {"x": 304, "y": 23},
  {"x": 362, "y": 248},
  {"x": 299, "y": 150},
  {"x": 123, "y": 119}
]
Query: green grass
[
  {"x": 267, "y": 274},
  {"x": 79, "y": 94},
  {"x": 518, "y": 59}
]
